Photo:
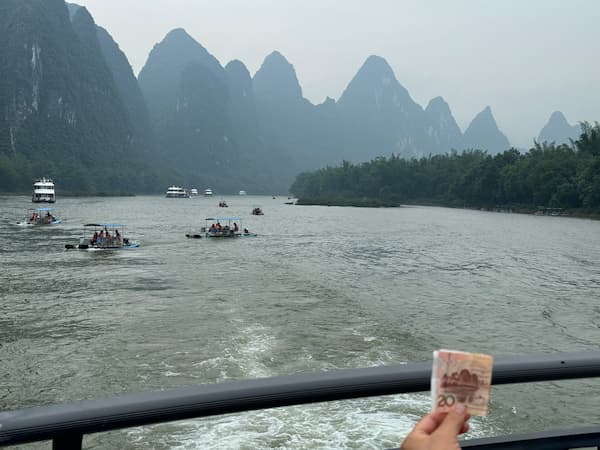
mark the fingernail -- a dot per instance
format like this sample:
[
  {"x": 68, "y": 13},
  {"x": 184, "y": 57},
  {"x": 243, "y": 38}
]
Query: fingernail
[{"x": 460, "y": 408}]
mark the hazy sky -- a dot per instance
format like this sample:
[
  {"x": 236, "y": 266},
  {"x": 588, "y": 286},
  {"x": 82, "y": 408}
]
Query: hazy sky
[{"x": 524, "y": 58}]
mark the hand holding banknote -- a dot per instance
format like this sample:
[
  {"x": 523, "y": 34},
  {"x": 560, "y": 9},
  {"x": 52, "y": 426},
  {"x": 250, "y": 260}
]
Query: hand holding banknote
[
  {"x": 460, "y": 386},
  {"x": 461, "y": 378},
  {"x": 438, "y": 430}
]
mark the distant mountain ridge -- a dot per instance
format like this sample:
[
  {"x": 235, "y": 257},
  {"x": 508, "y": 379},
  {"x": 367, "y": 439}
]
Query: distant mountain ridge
[{"x": 199, "y": 122}]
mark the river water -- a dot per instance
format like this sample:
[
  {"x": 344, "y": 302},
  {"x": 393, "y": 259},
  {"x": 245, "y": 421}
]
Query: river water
[{"x": 319, "y": 288}]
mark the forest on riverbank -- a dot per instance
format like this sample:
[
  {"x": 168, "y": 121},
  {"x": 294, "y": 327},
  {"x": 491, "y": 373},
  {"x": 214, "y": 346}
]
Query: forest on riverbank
[{"x": 548, "y": 175}]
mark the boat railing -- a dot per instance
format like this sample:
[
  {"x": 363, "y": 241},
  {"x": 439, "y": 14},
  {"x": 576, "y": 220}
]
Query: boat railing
[{"x": 66, "y": 424}]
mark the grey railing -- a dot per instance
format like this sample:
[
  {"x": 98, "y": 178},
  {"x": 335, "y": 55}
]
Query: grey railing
[{"x": 66, "y": 424}]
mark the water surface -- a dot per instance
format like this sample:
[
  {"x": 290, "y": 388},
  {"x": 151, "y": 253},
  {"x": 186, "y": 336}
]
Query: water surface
[{"x": 319, "y": 288}]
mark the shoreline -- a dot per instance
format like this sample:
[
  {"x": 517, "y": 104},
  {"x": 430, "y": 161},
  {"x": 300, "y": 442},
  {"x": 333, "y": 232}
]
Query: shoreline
[{"x": 580, "y": 213}]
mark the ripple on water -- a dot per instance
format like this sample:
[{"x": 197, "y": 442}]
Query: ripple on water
[{"x": 297, "y": 298}]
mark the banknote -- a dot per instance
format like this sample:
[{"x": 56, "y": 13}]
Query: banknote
[{"x": 461, "y": 377}]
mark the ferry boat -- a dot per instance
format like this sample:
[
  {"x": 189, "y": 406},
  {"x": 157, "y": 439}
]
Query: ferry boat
[
  {"x": 103, "y": 236},
  {"x": 208, "y": 192},
  {"x": 177, "y": 192},
  {"x": 43, "y": 191},
  {"x": 40, "y": 216}
]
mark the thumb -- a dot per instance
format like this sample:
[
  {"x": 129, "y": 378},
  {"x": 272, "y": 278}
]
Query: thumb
[{"x": 453, "y": 422}]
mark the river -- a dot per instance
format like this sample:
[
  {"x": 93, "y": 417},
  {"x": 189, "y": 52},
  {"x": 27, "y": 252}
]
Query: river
[{"x": 319, "y": 288}]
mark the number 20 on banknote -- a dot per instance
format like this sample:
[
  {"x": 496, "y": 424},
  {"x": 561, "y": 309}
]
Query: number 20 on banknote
[{"x": 461, "y": 377}]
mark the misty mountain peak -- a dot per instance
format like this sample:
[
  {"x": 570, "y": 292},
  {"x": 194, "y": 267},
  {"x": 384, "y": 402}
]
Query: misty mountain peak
[
  {"x": 177, "y": 50},
  {"x": 558, "y": 117},
  {"x": 437, "y": 106},
  {"x": 558, "y": 130},
  {"x": 442, "y": 128},
  {"x": 277, "y": 78},
  {"x": 376, "y": 65},
  {"x": 238, "y": 78},
  {"x": 72, "y": 8},
  {"x": 237, "y": 67},
  {"x": 375, "y": 88},
  {"x": 276, "y": 58},
  {"x": 81, "y": 15},
  {"x": 178, "y": 40},
  {"x": 483, "y": 133}
]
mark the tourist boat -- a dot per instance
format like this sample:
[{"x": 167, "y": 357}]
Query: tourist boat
[
  {"x": 242, "y": 192},
  {"x": 40, "y": 216},
  {"x": 223, "y": 204},
  {"x": 208, "y": 192},
  {"x": 257, "y": 212},
  {"x": 177, "y": 192},
  {"x": 224, "y": 227},
  {"x": 43, "y": 191},
  {"x": 103, "y": 236},
  {"x": 193, "y": 192}
]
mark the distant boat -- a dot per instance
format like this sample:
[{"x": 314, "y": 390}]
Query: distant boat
[
  {"x": 43, "y": 191},
  {"x": 223, "y": 204},
  {"x": 257, "y": 212},
  {"x": 242, "y": 192},
  {"x": 193, "y": 192},
  {"x": 208, "y": 192},
  {"x": 40, "y": 216},
  {"x": 177, "y": 192}
]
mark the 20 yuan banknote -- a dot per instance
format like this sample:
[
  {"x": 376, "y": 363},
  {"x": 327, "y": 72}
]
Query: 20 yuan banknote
[{"x": 461, "y": 377}]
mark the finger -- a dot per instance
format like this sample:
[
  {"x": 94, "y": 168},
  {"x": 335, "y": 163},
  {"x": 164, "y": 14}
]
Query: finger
[
  {"x": 429, "y": 423},
  {"x": 464, "y": 428},
  {"x": 453, "y": 422}
]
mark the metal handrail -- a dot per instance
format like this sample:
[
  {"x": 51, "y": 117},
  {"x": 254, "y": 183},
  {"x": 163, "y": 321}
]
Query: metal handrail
[{"x": 67, "y": 423}]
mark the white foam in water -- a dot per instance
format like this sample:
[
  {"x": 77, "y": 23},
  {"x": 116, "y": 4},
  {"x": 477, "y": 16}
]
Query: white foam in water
[
  {"x": 365, "y": 423},
  {"x": 369, "y": 423}
]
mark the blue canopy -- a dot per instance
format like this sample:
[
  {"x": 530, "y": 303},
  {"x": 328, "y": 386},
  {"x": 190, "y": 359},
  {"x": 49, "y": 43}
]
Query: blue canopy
[
  {"x": 107, "y": 225},
  {"x": 43, "y": 209}
]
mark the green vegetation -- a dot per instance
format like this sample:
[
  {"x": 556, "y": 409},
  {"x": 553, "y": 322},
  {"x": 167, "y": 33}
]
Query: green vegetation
[
  {"x": 340, "y": 201},
  {"x": 548, "y": 175}
]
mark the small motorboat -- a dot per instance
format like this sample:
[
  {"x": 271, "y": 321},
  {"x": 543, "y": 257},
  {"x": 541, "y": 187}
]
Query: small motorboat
[
  {"x": 224, "y": 227},
  {"x": 40, "y": 216},
  {"x": 257, "y": 212},
  {"x": 102, "y": 237},
  {"x": 223, "y": 204}
]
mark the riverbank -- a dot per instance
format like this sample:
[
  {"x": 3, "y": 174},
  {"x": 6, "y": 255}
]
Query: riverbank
[
  {"x": 583, "y": 213},
  {"x": 357, "y": 202}
]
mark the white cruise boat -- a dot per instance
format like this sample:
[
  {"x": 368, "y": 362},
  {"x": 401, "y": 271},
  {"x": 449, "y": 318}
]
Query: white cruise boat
[
  {"x": 43, "y": 191},
  {"x": 208, "y": 192},
  {"x": 193, "y": 192},
  {"x": 242, "y": 192},
  {"x": 177, "y": 192}
]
